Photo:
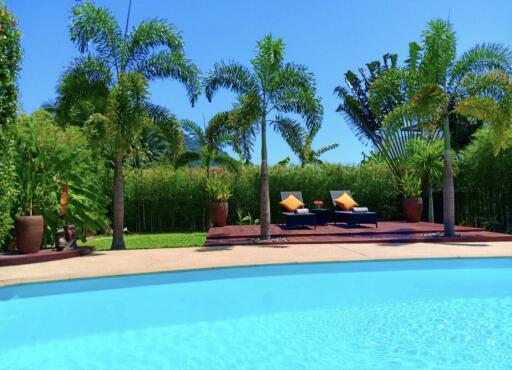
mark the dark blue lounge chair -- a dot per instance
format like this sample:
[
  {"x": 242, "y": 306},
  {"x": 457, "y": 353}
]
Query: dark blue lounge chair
[
  {"x": 292, "y": 219},
  {"x": 350, "y": 217}
]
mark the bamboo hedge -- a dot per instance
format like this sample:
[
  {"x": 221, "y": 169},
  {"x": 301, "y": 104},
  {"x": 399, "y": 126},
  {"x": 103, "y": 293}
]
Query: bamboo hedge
[
  {"x": 483, "y": 185},
  {"x": 162, "y": 199}
]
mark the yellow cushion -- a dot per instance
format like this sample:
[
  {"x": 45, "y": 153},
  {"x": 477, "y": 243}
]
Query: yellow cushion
[
  {"x": 291, "y": 203},
  {"x": 345, "y": 202}
]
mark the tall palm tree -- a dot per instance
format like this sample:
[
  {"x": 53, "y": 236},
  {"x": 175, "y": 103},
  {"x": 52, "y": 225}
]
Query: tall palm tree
[
  {"x": 211, "y": 140},
  {"x": 104, "y": 80},
  {"x": 265, "y": 95},
  {"x": 438, "y": 86},
  {"x": 300, "y": 141}
]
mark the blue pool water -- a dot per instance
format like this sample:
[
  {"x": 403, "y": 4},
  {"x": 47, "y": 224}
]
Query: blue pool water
[{"x": 430, "y": 314}]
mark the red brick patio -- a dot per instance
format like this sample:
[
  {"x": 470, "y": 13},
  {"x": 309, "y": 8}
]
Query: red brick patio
[{"x": 387, "y": 232}]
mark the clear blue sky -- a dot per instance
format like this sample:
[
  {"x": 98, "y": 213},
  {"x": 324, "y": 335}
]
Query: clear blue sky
[{"x": 328, "y": 36}]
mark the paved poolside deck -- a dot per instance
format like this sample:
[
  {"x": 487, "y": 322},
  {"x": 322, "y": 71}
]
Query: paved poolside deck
[
  {"x": 109, "y": 263},
  {"x": 386, "y": 232}
]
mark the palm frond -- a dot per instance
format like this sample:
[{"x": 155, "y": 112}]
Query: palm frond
[
  {"x": 427, "y": 105},
  {"x": 186, "y": 158},
  {"x": 439, "y": 51},
  {"x": 291, "y": 131},
  {"x": 480, "y": 59},
  {"x": 149, "y": 36},
  {"x": 414, "y": 56},
  {"x": 228, "y": 162},
  {"x": 194, "y": 130},
  {"x": 232, "y": 76},
  {"x": 82, "y": 90},
  {"x": 175, "y": 65},
  {"x": 95, "y": 30},
  {"x": 218, "y": 126},
  {"x": 326, "y": 148},
  {"x": 497, "y": 116},
  {"x": 269, "y": 59}
]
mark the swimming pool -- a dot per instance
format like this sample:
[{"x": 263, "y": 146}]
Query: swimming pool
[{"x": 416, "y": 314}]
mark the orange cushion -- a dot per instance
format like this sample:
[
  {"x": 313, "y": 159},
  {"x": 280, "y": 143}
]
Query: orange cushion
[
  {"x": 291, "y": 203},
  {"x": 345, "y": 202}
]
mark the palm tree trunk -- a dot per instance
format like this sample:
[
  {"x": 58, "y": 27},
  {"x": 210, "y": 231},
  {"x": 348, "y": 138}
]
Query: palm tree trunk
[
  {"x": 264, "y": 186},
  {"x": 118, "y": 206},
  {"x": 430, "y": 201},
  {"x": 448, "y": 189}
]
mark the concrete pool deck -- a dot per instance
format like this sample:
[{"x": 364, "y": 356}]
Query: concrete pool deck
[{"x": 111, "y": 263}]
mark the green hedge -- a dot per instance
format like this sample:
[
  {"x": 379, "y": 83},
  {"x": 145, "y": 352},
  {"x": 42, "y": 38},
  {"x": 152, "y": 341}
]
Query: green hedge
[
  {"x": 483, "y": 186},
  {"x": 10, "y": 57},
  {"x": 162, "y": 199}
]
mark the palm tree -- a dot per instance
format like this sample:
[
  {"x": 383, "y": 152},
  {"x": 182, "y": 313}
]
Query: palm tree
[
  {"x": 438, "y": 86},
  {"x": 300, "y": 141},
  {"x": 211, "y": 141},
  {"x": 110, "y": 80},
  {"x": 265, "y": 95},
  {"x": 425, "y": 159}
]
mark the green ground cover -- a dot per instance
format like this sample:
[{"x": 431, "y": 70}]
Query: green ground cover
[{"x": 151, "y": 241}]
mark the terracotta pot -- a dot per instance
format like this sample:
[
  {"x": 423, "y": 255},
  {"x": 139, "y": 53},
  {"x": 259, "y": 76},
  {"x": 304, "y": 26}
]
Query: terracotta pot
[
  {"x": 219, "y": 213},
  {"x": 29, "y": 233},
  {"x": 412, "y": 208}
]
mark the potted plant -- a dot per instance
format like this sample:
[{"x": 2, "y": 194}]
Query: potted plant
[
  {"x": 219, "y": 194},
  {"x": 412, "y": 204},
  {"x": 32, "y": 200}
]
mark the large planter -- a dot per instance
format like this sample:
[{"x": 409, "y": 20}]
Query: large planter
[
  {"x": 412, "y": 208},
  {"x": 219, "y": 213},
  {"x": 29, "y": 233}
]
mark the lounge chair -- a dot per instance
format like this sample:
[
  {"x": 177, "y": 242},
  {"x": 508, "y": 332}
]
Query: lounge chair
[
  {"x": 293, "y": 219},
  {"x": 351, "y": 217}
]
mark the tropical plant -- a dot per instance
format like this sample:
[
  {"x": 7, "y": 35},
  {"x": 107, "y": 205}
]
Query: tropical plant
[
  {"x": 48, "y": 158},
  {"x": 389, "y": 142},
  {"x": 411, "y": 185},
  {"x": 437, "y": 86},
  {"x": 211, "y": 142},
  {"x": 425, "y": 159},
  {"x": 106, "y": 89},
  {"x": 10, "y": 52},
  {"x": 265, "y": 95},
  {"x": 245, "y": 219},
  {"x": 218, "y": 189},
  {"x": 300, "y": 141},
  {"x": 355, "y": 101}
]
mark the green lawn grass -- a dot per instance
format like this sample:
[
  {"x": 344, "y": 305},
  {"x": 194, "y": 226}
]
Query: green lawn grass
[{"x": 151, "y": 241}]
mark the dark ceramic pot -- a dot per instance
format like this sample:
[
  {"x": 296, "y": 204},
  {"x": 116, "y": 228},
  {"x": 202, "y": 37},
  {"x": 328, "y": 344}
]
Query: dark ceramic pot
[
  {"x": 412, "y": 208},
  {"x": 219, "y": 213},
  {"x": 29, "y": 233}
]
